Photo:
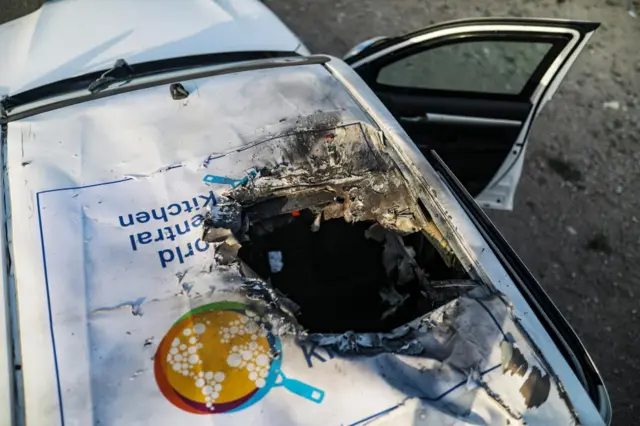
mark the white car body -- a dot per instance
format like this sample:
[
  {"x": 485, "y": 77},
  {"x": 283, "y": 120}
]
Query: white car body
[
  {"x": 135, "y": 135},
  {"x": 45, "y": 48}
]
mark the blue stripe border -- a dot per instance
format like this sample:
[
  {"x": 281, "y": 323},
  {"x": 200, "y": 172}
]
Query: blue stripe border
[
  {"x": 447, "y": 392},
  {"x": 46, "y": 279},
  {"x": 53, "y": 340}
]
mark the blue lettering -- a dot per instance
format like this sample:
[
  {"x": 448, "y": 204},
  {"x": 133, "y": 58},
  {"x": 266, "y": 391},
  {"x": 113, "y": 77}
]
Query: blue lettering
[
  {"x": 190, "y": 252},
  {"x": 177, "y": 209},
  {"x": 170, "y": 234},
  {"x": 163, "y": 214},
  {"x": 144, "y": 237},
  {"x": 205, "y": 248},
  {"x": 197, "y": 220},
  {"x": 186, "y": 228},
  {"x": 211, "y": 198},
  {"x": 160, "y": 235},
  {"x": 309, "y": 351},
  {"x": 142, "y": 217},
  {"x": 124, "y": 225},
  {"x": 133, "y": 243},
  {"x": 187, "y": 206},
  {"x": 329, "y": 352},
  {"x": 163, "y": 259}
]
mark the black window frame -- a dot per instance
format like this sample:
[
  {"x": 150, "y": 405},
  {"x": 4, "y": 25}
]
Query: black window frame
[{"x": 370, "y": 71}]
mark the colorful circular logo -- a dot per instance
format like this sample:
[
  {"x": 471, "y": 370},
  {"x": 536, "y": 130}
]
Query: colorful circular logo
[
  {"x": 221, "y": 358},
  {"x": 214, "y": 359}
]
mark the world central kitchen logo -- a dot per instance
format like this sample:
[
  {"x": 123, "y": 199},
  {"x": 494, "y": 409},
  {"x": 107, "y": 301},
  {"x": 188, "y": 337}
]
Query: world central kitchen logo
[
  {"x": 153, "y": 227},
  {"x": 222, "y": 358}
]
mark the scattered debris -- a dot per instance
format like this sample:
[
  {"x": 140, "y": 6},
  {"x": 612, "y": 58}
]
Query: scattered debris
[
  {"x": 315, "y": 226},
  {"x": 613, "y": 105},
  {"x": 352, "y": 281},
  {"x": 400, "y": 341},
  {"x": 148, "y": 342},
  {"x": 277, "y": 311},
  {"x": 631, "y": 10},
  {"x": 213, "y": 234},
  {"x": 180, "y": 276},
  {"x": 275, "y": 261},
  {"x": 186, "y": 288},
  {"x": 226, "y": 214},
  {"x": 361, "y": 254}
]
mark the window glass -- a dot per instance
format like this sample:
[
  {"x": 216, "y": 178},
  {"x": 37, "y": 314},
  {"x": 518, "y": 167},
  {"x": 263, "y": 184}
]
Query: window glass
[{"x": 498, "y": 66}]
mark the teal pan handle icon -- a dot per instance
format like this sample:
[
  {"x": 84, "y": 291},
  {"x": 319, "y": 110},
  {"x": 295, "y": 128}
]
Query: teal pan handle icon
[
  {"x": 220, "y": 179},
  {"x": 229, "y": 181},
  {"x": 304, "y": 390}
]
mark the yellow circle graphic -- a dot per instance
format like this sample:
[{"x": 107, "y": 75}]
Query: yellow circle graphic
[{"x": 213, "y": 359}]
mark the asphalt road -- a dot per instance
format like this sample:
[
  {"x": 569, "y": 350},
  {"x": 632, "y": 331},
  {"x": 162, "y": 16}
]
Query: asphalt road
[{"x": 576, "y": 221}]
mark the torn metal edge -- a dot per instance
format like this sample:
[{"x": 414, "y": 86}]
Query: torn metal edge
[
  {"x": 225, "y": 220},
  {"x": 490, "y": 270}
]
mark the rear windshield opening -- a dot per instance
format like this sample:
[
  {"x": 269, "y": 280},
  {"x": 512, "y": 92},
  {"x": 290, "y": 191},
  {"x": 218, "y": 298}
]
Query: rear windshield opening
[
  {"x": 349, "y": 276},
  {"x": 332, "y": 235}
]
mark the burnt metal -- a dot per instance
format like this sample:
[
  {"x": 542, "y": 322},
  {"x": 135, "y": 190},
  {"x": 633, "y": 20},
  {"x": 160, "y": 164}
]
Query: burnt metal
[{"x": 337, "y": 275}]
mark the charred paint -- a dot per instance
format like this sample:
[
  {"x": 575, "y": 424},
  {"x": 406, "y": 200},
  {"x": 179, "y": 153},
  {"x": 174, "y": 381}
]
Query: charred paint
[
  {"x": 336, "y": 180},
  {"x": 535, "y": 389},
  {"x": 513, "y": 362},
  {"x": 537, "y": 385}
]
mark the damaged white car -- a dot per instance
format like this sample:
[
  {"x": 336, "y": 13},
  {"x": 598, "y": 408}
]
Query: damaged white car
[{"x": 205, "y": 224}]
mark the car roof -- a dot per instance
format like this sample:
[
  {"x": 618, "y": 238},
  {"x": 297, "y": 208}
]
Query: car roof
[{"x": 43, "y": 47}]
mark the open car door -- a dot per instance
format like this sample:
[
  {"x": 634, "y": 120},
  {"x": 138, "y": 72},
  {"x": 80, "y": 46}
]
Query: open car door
[{"x": 471, "y": 89}]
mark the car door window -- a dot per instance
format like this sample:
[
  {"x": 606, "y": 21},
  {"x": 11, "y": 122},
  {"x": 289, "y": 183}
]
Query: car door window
[
  {"x": 470, "y": 90},
  {"x": 488, "y": 66}
]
